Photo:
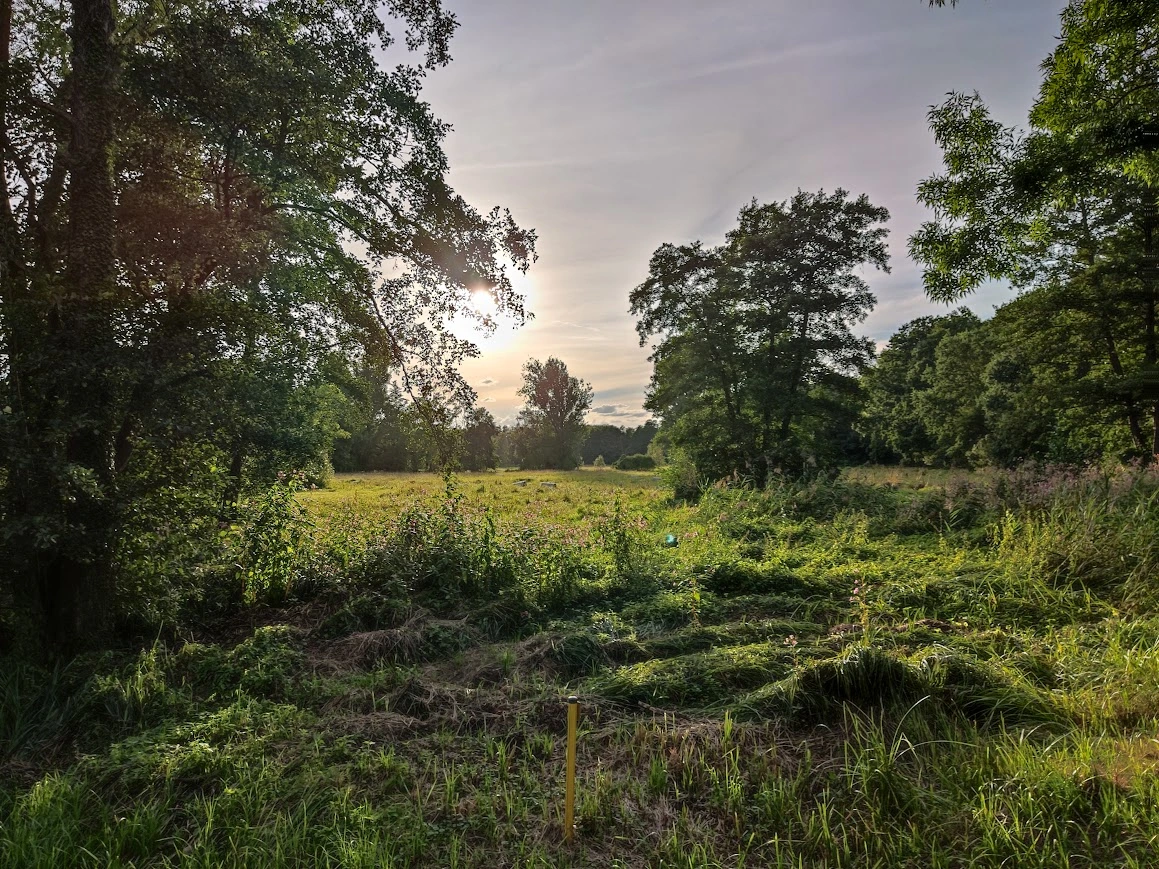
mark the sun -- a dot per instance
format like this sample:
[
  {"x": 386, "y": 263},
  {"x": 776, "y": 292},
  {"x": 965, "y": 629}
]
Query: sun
[{"x": 482, "y": 304}]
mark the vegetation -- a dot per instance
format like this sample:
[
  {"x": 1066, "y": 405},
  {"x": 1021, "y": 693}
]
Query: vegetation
[
  {"x": 755, "y": 369},
  {"x": 185, "y": 280},
  {"x": 918, "y": 671},
  {"x": 635, "y": 462},
  {"x": 1065, "y": 211},
  {"x": 613, "y": 441},
  {"x": 230, "y": 262},
  {"x": 551, "y": 423}
]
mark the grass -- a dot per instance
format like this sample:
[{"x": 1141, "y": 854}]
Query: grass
[{"x": 893, "y": 669}]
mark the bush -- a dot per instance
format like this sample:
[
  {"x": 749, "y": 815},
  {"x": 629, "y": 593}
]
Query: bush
[
  {"x": 681, "y": 476},
  {"x": 635, "y": 462}
]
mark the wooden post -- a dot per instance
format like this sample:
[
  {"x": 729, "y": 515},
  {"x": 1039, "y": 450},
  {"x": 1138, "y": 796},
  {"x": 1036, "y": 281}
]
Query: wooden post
[{"x": 569, "y": 775}]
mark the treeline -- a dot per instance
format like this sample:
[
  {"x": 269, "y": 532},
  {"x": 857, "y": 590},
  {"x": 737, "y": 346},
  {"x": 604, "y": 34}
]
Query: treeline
[
  {"x": 376, "y": 427},
  {"x": 956, "y": 391},
  {"x": 613, "y": 442}
]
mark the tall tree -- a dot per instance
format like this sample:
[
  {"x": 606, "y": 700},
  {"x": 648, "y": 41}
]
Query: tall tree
[
  {"x": 204, "y": 202},
  {"x": 756, "y": 357},
  {"x": 1064, "y": 210},
  {"x": 900, "y": 415},
  {"x": 555, "y": 404},
  {"x": 479, "y": 434}
]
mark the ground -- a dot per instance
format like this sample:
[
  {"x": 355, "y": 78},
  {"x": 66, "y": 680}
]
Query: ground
[{"x": 890, "y": 669}]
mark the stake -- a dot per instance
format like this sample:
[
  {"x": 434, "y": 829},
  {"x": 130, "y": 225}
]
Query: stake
[{"x": 569, "y": 777}]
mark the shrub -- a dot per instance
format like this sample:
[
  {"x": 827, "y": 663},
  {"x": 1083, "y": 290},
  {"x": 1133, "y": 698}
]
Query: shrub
[
  {"x": 635, "y": 462},
  {"x": 681, "y": 476}
]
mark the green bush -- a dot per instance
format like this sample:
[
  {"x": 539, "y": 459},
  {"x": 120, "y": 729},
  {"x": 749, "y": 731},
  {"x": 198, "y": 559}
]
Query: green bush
[
  {"x": 681, "y": 476},
  {"x": 635, "y": 462}
]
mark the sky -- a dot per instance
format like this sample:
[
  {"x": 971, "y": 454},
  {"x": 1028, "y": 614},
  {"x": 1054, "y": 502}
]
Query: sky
[{"x": 614, "y": 126}]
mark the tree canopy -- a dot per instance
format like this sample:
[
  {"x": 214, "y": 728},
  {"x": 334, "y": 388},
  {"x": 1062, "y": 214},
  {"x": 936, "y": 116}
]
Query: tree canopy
[
  {"x": 207, "y": 207},
  {"x": 756, "y": 362},
  {"x": 1065, "y": 211},
  {"x": 552, "y": 418}
]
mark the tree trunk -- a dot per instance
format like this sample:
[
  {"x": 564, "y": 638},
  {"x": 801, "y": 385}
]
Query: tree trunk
[
  {"x": 795, "y": 379},
  {"x": 1155, "y": 431},
  {"x": 232, "y": 495},
  {"x": 75, "y": 584}
]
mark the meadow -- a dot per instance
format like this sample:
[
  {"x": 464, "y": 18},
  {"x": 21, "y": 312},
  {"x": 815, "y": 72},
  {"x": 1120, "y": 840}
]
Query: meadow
[{"x": 887, "y": 669}]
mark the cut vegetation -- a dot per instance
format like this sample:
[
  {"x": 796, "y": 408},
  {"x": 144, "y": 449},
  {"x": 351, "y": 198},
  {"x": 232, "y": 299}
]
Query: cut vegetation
[{"x": 824, "y": 674}]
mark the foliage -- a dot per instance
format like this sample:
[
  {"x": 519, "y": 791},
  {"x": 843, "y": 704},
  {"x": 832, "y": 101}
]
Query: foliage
[
  {"x": 905, "y": 417},
  {"x": 270, "y": 542},
  {"x": 1065, "y": 212},
  {"x": 479, "y": 440},
  {"x": 756, "y": 363},
  {"x": 383, "y": 431},
  {"x": 635, "y": 462},
  {"x": 611, "y": 441},
  {"x": 188, "y": 280},
  {"x": 552, "y": 419}
]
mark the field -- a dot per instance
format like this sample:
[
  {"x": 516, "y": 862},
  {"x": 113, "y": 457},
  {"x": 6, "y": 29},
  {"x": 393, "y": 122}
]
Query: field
[{"x": 888, "y": 669}]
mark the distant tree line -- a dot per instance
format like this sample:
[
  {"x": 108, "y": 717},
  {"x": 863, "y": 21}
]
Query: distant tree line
[
  {"x": 610, "y": 442},
  {"x": 379, "y": 429}
]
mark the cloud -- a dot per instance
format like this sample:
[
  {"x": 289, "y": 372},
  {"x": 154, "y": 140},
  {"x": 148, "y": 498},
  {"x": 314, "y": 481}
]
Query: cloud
[
  {"x": 572, "y": 325},
  {"x": 839, "y": 47},
  {"x": 488, "y": 381},
  {"x": 490, "y": 399},
  {"x": 619, "y": 410}
]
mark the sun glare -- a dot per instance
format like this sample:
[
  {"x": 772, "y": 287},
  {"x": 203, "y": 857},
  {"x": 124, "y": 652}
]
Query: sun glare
[{"x": 484, "y": 305}]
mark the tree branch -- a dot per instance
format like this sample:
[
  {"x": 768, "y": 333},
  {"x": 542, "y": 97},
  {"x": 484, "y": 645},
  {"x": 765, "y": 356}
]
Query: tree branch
[{"x": 55, "y": 111}]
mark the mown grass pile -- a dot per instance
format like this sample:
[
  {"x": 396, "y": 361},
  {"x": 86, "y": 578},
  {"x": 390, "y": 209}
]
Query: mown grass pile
[{"x": 878, "y": 670}]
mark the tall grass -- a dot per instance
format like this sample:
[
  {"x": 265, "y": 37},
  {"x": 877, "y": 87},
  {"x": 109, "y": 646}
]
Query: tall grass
[
  {"x": 36, "y": 706},
  {"x": 1096, "y": 531}
]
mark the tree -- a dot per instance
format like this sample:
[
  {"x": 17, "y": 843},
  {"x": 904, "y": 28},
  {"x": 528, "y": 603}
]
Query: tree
[
  {"x": 900, "y": 416},
  {"x": 613, "y": 441},
  {"x": 1064, "y": 211},
  {"x": 756, "y": 364},
  {"x": 203, "y": 203},
  {"x": 479, "y": 435},
  {"x": 553, "y": 414}
]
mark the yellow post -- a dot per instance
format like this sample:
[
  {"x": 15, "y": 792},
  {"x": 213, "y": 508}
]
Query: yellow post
[{"x": 569, "y": 777}]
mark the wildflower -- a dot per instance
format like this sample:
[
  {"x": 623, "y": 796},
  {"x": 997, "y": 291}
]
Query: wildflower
[{"x": 791, "y": 641}]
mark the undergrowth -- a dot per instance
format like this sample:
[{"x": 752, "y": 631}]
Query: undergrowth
[{"x": 859, "y": 672}]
